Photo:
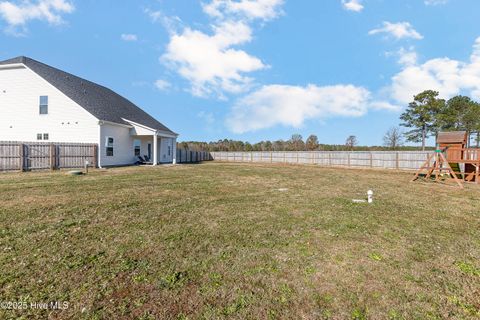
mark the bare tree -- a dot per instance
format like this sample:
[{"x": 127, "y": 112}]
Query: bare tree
[
  {"x": 351, "y": 142},
  {"x": 296, "y": 142},
  {"x": 393, "y": 138}
]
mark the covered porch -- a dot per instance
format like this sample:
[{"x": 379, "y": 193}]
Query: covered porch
[{"x": 154, "y": 146}]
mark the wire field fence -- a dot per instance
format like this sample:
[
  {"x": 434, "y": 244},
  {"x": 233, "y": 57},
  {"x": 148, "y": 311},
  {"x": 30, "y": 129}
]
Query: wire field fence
[
  {"x": 23, "y": 156},
  {"x": 398, "y": 160}
]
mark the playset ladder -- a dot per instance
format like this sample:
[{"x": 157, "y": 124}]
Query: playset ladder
[{"x": 438, "y": 168}]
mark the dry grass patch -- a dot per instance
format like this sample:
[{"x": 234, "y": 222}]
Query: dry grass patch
[{"x": 233, "y": 241}]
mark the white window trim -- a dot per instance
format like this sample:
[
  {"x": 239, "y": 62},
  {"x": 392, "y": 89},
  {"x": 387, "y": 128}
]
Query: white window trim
[
  {"x": 107, "y": 146},
  {"x": 40, "y": 105},
  {"x": 137, "y": 143}
]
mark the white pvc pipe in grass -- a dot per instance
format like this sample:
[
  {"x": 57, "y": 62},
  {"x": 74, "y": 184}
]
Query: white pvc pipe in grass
[{"x": 370, "y": 196}]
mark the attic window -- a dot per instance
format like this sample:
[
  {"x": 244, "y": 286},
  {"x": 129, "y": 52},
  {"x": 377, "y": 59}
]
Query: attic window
[{"x": 43, "y": 104}]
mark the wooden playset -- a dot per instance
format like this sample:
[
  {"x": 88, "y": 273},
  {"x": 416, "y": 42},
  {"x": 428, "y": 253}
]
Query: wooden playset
[{"x": 452, "y": 159}]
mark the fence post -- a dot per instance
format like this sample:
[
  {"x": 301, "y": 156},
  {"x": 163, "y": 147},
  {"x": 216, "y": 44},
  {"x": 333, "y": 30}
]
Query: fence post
[
  {"x": 371, "y": 159},
  {"x": 349, "y": 160},
  {"x": 95, "y": 155},
  {"x": 52, "y": 156},
  {"x": 21, "y": 156},
  {"x": 397, "y": 161},
  {"x": 329, "y": 159}
]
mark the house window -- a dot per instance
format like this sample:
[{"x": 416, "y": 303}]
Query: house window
[
  {"x": 42, "y": 136},
  {"x": 136, "y": 147},
  {"x": 109, "y": 147},
  {"x": 169, "y": 150},
  {"x": 43, "y": 104}
]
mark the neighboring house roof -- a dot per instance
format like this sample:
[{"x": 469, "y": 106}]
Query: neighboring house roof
[{"x": 98, "y": 100}]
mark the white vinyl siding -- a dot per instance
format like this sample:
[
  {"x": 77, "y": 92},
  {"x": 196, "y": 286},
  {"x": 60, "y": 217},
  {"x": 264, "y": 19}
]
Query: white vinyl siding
[
  {"x": 122, "y": 145},
  {"x": 20, "y": 120},
  {"x": 166, "y": 146}
]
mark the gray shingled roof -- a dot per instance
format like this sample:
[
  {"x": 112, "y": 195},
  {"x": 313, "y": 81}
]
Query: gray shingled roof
[{"x": 101, "y": 102}]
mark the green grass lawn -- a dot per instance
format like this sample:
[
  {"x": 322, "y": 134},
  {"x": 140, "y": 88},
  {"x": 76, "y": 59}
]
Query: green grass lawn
[{"x": 233, "y": 241}]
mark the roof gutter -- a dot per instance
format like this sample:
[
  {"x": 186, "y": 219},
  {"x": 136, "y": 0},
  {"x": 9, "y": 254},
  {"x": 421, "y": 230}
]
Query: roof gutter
[
  {"x": 157, "y": 132},
  {"x": 102, "y": 122}
]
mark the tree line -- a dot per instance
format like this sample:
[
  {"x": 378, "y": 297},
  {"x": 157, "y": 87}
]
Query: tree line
[
  {"x": 424, "y": 117},
  {"x": 427, "y": 115},
  {"x": 295, "y": 143}
]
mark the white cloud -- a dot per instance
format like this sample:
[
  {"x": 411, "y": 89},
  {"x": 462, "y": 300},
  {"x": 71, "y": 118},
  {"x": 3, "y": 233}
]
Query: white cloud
[
  {"x": 406, "y": 57},
  {"x": 352, "y": 5},
  {"x": 400, "y": 30},
  {"x": 286, "y": 105},
  {"x": 212, "y": 62},
  {"x": 384, "y": 105},
  {"x": 129, "y": 37},
  {"x": 245, "y": 9},
  {"x": 448, "y": 76},
  {"x": 207, "y": 117},
  {"x": 435, "y": 2},
  {"x": 155, "y": 15},
  {"x": 162, "y": 85},
  {"x": 18, "y": 14},
  {"x": 171, "y": 23}
]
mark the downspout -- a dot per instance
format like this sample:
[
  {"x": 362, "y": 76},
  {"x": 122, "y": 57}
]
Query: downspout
[
  {"x": 174, "y": 150},
  {"x": 99, "y": 152}
]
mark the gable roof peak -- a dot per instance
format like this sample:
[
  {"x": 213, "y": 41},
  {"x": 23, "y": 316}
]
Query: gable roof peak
[
  {"x": 19, "y": 59},
  {"x": 101, "y": 102}
]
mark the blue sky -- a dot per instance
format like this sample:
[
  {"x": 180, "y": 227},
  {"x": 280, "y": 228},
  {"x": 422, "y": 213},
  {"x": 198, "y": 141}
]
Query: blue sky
[{"x": 258, "y": 69}]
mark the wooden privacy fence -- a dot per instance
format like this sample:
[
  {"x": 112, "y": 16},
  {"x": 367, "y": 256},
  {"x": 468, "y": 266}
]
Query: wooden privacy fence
[
  {"x": 23, "y": 156},
  {"x": 187, "y": 156},
  {"x": 399, "y": 160}
]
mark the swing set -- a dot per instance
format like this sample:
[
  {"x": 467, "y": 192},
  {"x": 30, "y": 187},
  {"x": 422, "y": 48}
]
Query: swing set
[{"x": 452, "y": 159}]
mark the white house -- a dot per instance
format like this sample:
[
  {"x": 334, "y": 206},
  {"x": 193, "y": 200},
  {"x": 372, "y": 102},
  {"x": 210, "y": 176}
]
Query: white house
[{"x": 41, "y": 103}]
